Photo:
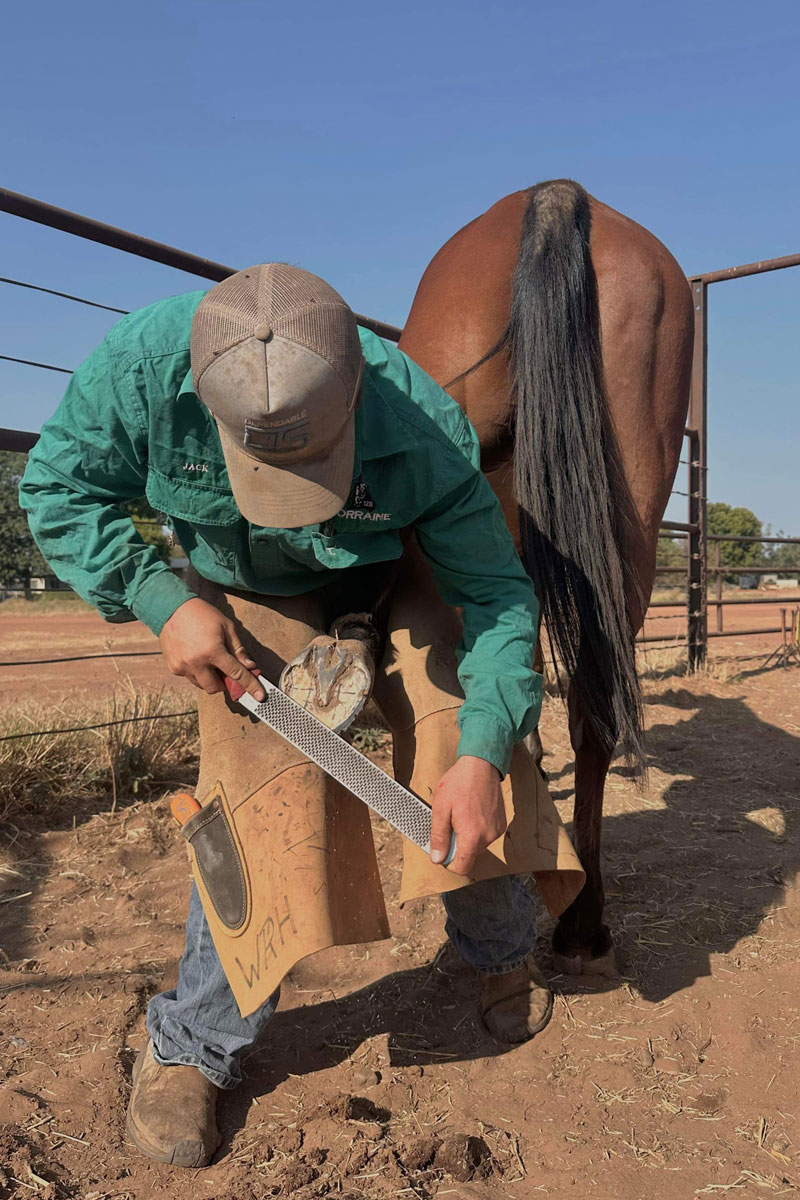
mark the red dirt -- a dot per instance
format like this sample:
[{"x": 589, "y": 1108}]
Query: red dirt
[
  {"x": 376, "y": 1078},
  {"x": 56, "y": 634},
  {"x": 59, "y": 635},
  {"x": 671, "y": 622}
]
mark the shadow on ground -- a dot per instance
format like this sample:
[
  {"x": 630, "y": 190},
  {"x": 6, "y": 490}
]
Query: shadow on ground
[
  {"x": 699, "y": 871},
  {"x": 686, "y": 878}
]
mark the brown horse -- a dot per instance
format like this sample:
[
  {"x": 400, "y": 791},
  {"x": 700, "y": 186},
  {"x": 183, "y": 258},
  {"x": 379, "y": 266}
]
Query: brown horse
[{"x": 564, "y": 330}]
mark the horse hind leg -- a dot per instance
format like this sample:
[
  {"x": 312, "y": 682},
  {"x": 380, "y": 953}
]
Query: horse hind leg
[
  {"x": 582, "y": 943},
  {"x": 533, "y": 741}
]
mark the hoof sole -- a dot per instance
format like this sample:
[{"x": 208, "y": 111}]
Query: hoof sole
[{"x": 331, "y": 680}]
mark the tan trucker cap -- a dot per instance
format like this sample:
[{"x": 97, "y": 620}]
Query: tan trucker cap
[{"x": 277, "y": 360}]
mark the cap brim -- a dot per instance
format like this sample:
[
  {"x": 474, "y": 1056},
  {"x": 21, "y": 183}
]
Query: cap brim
[{"x": 285, "y": 497}]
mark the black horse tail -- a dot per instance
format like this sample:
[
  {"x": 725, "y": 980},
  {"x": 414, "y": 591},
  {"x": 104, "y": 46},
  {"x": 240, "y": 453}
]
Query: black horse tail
[{"x": 573, "y": 501}]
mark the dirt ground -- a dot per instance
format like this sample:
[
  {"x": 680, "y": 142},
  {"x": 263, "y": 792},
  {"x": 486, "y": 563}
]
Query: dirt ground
[
  {"x": 25, "y": 639},
  {"x": 376, "y": 1078},
  {"x": 131, "y": 650},
  {"x": 764, "y": 613}
]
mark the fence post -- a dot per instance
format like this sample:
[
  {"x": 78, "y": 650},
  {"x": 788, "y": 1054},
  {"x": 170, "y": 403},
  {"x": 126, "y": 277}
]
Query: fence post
[
  {"x": 698, "y": 461},
  {"x": 718, "y": 573}
]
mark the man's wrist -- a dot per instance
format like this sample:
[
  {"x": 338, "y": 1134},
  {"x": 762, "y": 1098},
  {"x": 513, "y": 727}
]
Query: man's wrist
[
  {"x": 486, "y": 764},
  {"x": 159, "y": 597}
]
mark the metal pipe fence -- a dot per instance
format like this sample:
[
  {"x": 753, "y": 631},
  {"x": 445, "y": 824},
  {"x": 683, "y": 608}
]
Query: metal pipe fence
[
  {"x": 695, "y": 529},
  {"x": 698, "y": 633},
  {"x": 698, "y": 569},
  {"x": 718, "y": 602},
  {"x": 30, "y": 209}
]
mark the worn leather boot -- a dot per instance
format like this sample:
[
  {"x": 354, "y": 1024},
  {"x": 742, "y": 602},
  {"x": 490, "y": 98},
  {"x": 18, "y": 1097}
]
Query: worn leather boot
[
  {"x": 171, "y": 1114},
  {"x": 516, "y": 1006}
]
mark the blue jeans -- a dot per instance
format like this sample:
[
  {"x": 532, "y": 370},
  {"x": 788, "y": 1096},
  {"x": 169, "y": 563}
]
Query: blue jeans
[{"x": 492, "y": 925}]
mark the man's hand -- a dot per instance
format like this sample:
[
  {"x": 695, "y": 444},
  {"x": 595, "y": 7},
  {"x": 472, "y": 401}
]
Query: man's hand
[
  {"x": 202, "y": 645},
  {"x": 468, "y": 802}
]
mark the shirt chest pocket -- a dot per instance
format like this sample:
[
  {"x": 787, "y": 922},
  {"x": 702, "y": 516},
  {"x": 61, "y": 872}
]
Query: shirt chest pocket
[
  {"x": 268, "y": 557},
  {"x": 197, "y": 498},
  {"x": 340, "y": 550},
  {"x": 208, "y": 516}
]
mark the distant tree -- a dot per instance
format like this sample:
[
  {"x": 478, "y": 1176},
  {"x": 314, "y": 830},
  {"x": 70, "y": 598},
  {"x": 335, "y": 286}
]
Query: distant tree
[
  {"x": 19, "y": 554},
  {"x": 148, "y": 523},
  {"x": 671, "y": 553},
  {"x": 783, "y": 559},
  {"x": 735, "y": 522}
]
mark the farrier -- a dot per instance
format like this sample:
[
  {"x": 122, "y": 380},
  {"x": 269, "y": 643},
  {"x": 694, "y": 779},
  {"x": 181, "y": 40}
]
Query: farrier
[{"x": 329, "y": 497}]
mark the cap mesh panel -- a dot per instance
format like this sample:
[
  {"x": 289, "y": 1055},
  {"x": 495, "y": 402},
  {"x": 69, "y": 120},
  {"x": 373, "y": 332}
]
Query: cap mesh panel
[
  {"x": 293, "y": 289},
  {"x": 297, "y": 304},
  {"x": 225, "y": 316}
]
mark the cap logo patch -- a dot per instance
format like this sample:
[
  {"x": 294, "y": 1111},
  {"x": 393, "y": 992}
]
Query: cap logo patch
[{"x": 281, "y": 437}]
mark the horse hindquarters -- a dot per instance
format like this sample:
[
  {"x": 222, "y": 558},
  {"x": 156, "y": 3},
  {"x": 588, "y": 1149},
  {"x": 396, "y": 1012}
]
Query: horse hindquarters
[{"x": 590, "y": 506}]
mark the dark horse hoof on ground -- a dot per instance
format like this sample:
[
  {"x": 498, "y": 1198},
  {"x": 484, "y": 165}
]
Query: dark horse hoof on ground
[
  {"x": 595, "y": 959},
  {"x": 581, "y": 963}
]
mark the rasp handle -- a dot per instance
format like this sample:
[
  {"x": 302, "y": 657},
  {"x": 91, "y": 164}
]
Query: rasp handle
[{"x": 234, "y": 689}]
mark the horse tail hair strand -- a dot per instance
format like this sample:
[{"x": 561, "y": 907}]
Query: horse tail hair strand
[{"x": 571, "y": 493}]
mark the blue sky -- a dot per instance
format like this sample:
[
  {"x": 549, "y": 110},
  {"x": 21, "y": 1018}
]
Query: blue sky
[{"x": 354, "y": 139}]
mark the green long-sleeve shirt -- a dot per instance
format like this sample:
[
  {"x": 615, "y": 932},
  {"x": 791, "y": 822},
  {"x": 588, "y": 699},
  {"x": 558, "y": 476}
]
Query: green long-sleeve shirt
[{"x": 130, "y": 424}]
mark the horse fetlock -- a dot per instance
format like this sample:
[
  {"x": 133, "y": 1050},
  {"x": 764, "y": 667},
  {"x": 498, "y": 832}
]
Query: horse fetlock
[
  {"x": 359, "y": 627},
  {"x": 533, "y": 741},
  {"x": 593, "y": 955}
]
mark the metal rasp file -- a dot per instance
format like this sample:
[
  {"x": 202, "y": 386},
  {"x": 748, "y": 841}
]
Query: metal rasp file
[{"x": 348, "y": 766}]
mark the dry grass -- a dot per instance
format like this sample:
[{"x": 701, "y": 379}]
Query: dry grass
[
  {"x": 661, "y": 662},
  {"x": 666, "y": 662},
  {"x": 676, "y": 595},
  {"x": 39, "y": 774},
  {"x": 45, "y": 602},
  {"x": 369, "y": 738}
]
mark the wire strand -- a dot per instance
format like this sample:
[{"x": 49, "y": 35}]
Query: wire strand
[
  {"x": 35, "y": 662},
  {"x": 34, "y": 287},
  {"x": 12, "y": 737},
  {"x": 27, "y": 362}
]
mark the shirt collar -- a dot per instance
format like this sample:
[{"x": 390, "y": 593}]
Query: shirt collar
[
  {"x": 187, "y": 387},
  {"x": 380, "y": 432}
]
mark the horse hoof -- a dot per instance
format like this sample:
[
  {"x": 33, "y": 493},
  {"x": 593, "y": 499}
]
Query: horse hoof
[
  {"x": 332, "y": 679},
  {"x": 604, "y": 966}
]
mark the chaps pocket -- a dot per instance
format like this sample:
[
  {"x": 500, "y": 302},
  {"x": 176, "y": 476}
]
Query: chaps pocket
[{"x": 219, "y": 862}]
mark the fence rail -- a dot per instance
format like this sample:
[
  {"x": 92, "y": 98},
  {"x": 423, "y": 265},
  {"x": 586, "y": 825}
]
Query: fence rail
[
  {"x": 719, "y": 602},
  {"x": 695, "y": 529},
  {"x": 30, "y": 209},
  {"x": 17, "y": 440}
]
